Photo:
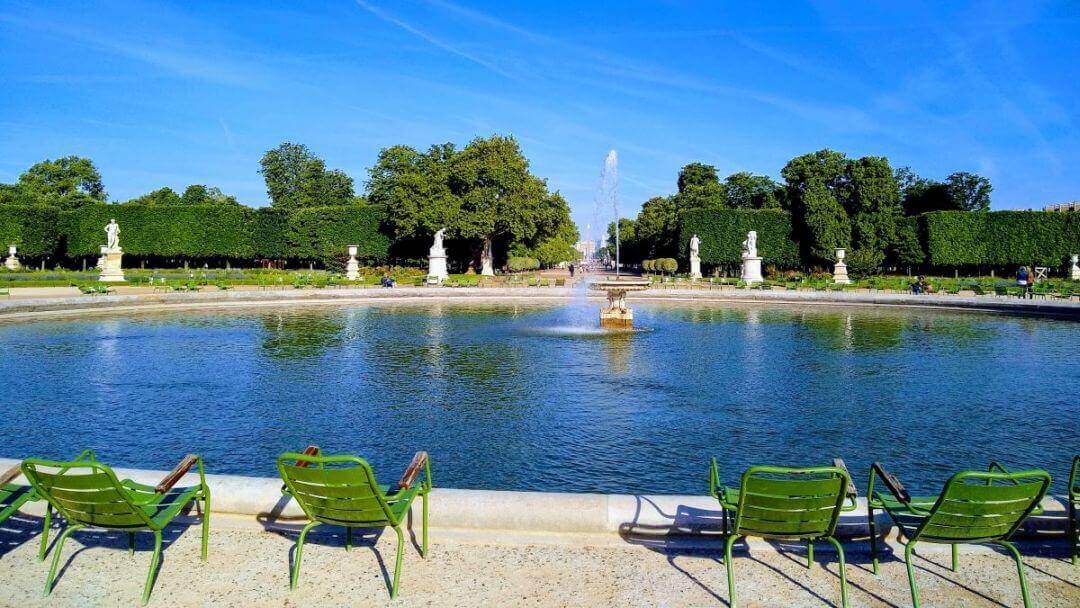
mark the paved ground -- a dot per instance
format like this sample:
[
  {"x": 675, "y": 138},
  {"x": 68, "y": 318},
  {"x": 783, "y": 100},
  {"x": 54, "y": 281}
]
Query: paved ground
[{"x": 249, "y": 567}]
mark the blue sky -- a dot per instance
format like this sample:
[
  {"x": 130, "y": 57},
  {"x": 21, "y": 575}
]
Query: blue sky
[{"x": 168, "y": 94}]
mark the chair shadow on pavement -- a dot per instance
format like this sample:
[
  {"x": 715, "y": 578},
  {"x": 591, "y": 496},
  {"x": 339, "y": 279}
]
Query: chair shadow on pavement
[{"x": 324, "y": 535}]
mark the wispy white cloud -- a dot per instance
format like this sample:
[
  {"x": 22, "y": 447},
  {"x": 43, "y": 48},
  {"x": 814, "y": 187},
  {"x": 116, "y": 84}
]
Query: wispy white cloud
[{"x": 436, "y": 42}]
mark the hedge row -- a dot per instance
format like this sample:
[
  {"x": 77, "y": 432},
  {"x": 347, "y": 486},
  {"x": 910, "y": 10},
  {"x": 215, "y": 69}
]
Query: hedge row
[
  {"x": 722, "y": 232},
  {"x": 1000, "y": 238},
  {"x": 194, "y": 232}
]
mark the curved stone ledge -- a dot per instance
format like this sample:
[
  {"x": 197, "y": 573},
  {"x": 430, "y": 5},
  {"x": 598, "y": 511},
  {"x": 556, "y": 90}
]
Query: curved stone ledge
[
  {"x": 46, "y": 307},
  {"x": 531, "y": 513}
]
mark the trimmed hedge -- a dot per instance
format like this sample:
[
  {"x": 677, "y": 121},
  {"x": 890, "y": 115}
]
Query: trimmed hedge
[
  {"x": 318, "y": 232},
  {"x": 32, "y": 228},
  {"x": 196, "y": 231},
  {"x": 1000, "y": 238},
  {"x": 722, "y": 232}
]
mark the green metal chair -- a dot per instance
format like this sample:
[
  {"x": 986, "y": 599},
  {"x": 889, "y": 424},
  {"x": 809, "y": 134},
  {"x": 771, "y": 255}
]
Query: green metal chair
[
  {"x": 785, "y": 503},
  {"x": 1074, "y": 506},
  {"x": 341, "y": 491},
  {"x": 974, "y": 507},
  {"x": 14, "y": 495},
  {"x": 88, "y": 495}
]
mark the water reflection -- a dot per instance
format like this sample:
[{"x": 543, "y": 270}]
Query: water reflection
[{"x": 300, "y": 335}]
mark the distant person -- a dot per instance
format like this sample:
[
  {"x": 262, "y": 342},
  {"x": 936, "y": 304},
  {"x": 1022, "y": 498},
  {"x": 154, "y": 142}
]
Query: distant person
[
  {"x": 1025, "y": 280},
  {"x": 917, "y": 285},
  {"x": 571, "y": 270},
  {"x": 387, "y": 281}
]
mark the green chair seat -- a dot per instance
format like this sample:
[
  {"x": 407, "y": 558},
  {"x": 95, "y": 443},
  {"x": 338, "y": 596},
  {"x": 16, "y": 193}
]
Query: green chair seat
[
  {"x": 342, "y": 491},
  {"x": 13, "y": 496}
]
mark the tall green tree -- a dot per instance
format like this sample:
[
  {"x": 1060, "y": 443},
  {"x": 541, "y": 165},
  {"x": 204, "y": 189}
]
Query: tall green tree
[
  {"x": 969, "y": 192},
  {"x": 198, "y": 194},
  {"x": 873, "y": 204},
  {"x": 700, "y": 188},
  {"x": 629, "y": 252},
  {"x": 827, "y": 225},
  {"x": 817, "y": 191},
  {"x": 657, "y": 228},
  {"x": 296, "y": 178},
  {"x": 744, "y": 190},
  {"x": 414, "y": 188},
  {"x": 920, "y": 195},
  {"x": 69, "y": 182},
  {"x": 161, "y": 196}
]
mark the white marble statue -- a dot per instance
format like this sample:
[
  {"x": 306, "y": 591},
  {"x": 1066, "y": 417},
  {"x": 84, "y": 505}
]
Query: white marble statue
[
  {"x": 1074, "y": 272},
  {"x": 438, "y": 244},
  {"x": 437, "y": 271},
  {"x": 112, "y": 234},
  {"x": 750, "y": 245},
  {"x": 695, "y": 257},
  {"x": 352, "y": 267},
  {"x": 12, "y": 261},
  {"x": 487, "y": 259}
]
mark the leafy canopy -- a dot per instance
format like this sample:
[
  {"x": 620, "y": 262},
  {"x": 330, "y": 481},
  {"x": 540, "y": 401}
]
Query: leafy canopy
[{"x": 296, "y": 178}]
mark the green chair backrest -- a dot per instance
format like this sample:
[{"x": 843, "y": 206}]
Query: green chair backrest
[
  {"x": 980, "y": 506},
  {"x": 790, "y": 502},
  {"x": 339, "y": 490},
  {"x": 86, "y": 493}
]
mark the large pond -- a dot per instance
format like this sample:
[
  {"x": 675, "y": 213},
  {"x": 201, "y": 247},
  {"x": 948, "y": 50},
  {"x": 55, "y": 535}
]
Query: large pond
[{"x": 512, "y": 396}]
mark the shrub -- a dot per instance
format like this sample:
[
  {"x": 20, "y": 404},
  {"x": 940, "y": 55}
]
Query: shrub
[
  {"x": 864, "y": 262},
  {"x": 647, "y": 266},
  {"x": 1000, "y": 238},
  {"x": 196, "y": 231},
  {"x": 519, "y": 264},
  {"x": 32, "y": 228},
  {"x": 668, "y": 265},
  {"x": 722, "y": 232},
  {"x": 320, "y": 233}
]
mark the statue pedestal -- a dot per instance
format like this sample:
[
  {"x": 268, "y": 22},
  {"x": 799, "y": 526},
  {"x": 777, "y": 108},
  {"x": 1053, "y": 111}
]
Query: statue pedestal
[
  {"x": 437, "y": 264},
  {"x": 839, "y": 274},
  {"x": 12, "y": 263},
  {"x": 751, "y": 270},
  {"x": 111, "y": 269},
  {"x": 352, "y": 269},
  {"x": 695, "y": 267},
  {"x": 613, "y": 317}
]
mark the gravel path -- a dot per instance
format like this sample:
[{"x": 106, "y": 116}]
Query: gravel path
[{"x": 249, "y": 567}]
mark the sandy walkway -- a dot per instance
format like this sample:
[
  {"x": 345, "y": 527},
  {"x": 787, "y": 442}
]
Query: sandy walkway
[{"x": 249, "y": 567}]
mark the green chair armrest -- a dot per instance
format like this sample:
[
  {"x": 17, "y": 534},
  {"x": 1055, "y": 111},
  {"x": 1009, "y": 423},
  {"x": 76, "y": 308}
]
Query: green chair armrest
[{"x": 852, "y": 493}]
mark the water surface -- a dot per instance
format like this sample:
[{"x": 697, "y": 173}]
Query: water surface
[{"x": 530, "y": 397}]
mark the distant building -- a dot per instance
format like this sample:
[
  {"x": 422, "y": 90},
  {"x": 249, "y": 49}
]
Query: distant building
[
  {"x": 587, "y": 249},
  {"x": 1073, "y": 206}
]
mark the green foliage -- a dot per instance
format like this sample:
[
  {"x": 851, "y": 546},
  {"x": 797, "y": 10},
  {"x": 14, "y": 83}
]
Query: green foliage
[
  {"x": 909, "y": 250},
  {"x": 31, "y": 228},
  {"x": 198, "y": 194},
  {"x": 1000, "y": 238},
  {"x": 322, "y": 233},
  {"x": 722, "y": 232},
  {"x": 71, "y": 181},
  {"x": 201, "y": 231},
  {"x": 668, "y": 265},
  {"x": 827, "y": 227},
  {"x": 745, "y": 190},
  {"x": 657, "y": 227},
  {"x": 519, "y": 264},
  {"x": 270, "y": 233},
  {"x": 864, "y": 262},
  {"x": 415, "y": 190},
  {"x": 700, "y": 188},
  {"x": 161, "y": 196},
  {"x": 969, "y": 192},
  {"x": 629, "y": 250},
  {"x": 296, "y": 178}
]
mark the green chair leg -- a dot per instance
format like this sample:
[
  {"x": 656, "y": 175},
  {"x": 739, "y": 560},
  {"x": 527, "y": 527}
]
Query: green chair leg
[
  {"x": 299, "y": 553},
  {"x": 348, "y": 538},
  {"x": 397, "y": 562},
  {"x": 45, "y": 528},
  {"x": 56, "y": 556},
  {"x": 955, "y": 558},
  {"x": 873, "y": 537},
  {"x": 424, "y": 549},
  {"x": 205, "y": 522},
  {"x": 131, "y": 543},
  {"x": 911, "y": 574},
  {"x": 809, "y": 553},
  {"x": 1074, "y": 546},
  {"x": 149, "y": 586},
  {"x": 843, "y": 571},
  {"x": 1020, "y": 570},
  {"x": 730, "y": 570}
]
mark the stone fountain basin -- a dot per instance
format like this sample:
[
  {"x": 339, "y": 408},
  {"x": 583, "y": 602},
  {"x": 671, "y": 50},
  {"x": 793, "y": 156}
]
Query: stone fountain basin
[{"x": 620, "y": 285}]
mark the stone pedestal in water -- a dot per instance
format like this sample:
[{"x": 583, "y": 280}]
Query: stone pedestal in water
[
  {"x": 617, "y": 315},
  {"x": 840, "y": 272},
  {"x": 111, "y": 267},
  {"x": 352, "y": 268},
  {"x": 12, "y": 262}
]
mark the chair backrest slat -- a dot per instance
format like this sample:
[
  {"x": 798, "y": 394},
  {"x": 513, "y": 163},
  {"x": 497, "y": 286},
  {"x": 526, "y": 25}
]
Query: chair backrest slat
[
  {"x": 976, "y": 505},
  {"x": 793, "y": 502},
  {"x": 85, "y": 492},
  {"x": 338, "y": 490}
]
